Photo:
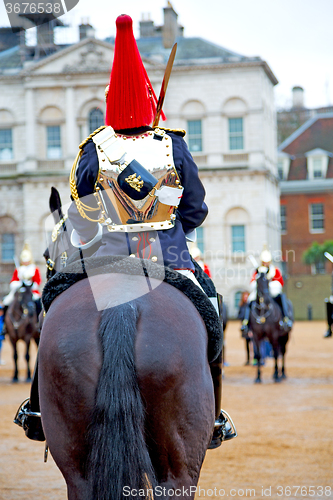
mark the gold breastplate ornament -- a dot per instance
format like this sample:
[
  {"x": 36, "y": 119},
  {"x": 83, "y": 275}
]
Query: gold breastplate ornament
[{"x": 149, "y": 160}]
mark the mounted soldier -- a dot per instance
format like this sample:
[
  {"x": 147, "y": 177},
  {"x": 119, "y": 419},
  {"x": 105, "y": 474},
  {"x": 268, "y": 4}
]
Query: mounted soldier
[
  {"x": 26, "y": 273},
  {"x": 135, "y": 188},
  {"x": 276, "y": 283}
]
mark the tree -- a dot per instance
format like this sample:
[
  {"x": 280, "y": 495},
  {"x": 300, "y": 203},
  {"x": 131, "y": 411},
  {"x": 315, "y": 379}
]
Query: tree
[{"x": 315, "y": 253}]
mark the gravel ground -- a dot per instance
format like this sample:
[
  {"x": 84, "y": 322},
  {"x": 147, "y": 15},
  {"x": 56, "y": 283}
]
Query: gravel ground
[{"x": 284, "y": 447}]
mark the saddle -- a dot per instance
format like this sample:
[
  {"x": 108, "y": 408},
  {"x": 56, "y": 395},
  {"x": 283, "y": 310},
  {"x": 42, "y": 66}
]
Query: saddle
[{"x": 77, "y": 270}]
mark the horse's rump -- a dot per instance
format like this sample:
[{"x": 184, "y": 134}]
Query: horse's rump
[{"x": 136, "y": 377}]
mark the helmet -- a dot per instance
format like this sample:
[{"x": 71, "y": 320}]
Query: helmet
[
  {"x": 130, "y": 99},
  {"x": 266, "y": 255},
  {"x": 26, "y": 255}
]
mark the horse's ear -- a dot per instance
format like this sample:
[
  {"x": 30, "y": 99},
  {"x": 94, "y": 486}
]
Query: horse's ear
[{"x": 55, "y": 203}]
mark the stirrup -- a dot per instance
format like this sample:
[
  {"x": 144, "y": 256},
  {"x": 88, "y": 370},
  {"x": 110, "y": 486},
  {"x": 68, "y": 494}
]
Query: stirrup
[
  {"x": 224, "y": 430},
  {"x": 23, "y": 412},
  {"x": 30, "y": 421}
]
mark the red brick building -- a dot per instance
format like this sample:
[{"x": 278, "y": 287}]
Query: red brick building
[{"x": 305, "y": 167}]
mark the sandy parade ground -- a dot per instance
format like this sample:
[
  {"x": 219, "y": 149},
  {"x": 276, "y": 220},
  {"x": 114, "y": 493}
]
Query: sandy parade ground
[{"x": 284, "y": 447}]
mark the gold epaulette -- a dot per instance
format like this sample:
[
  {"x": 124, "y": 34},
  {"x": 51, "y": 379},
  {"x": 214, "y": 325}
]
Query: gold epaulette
[
  {"x": 91, "y": 136},
  {"x": 81, "y": 207},
  {"x": 178, "y": 131}
]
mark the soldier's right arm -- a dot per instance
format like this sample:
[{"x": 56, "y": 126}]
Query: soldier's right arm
[{"x": 85, "y": 178}]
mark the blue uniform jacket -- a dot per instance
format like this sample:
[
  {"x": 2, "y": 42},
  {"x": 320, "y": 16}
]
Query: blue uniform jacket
[{"x": 190, "y": 214}]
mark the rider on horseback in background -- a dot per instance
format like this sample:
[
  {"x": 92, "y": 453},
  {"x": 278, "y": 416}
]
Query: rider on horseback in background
[
  {"x": 275, "y": 288},
  {"x": 143, "y": 215},
  {"x": 26, "y": 273}
]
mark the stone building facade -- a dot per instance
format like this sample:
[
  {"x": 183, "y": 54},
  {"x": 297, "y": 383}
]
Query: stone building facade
[{"x": 223, "y": 100}]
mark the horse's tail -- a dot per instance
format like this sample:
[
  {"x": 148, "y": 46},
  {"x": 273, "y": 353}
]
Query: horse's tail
[{"x": 118, "y": 455}]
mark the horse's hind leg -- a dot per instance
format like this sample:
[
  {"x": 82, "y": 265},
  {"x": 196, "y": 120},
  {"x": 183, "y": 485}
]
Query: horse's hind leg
[
  {"x": 276, "y": 377},
  {"x": 258, "y": 356},
  {"x": 15, "y": 358},
  {"x": 77, "y": 488},
  {"x": 27, "y": 358},
  {"x": 283, "y": 352}
]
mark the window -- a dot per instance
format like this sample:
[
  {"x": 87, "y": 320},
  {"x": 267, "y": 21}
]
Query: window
[
  {"x": 283, "y": 218},
  {"x": 317, "y": 218},
  {"x": 238, "y": 296},
  {"x": 236, "y": 133},
  {"x": 53, "y": 142},
  {"x": 280, "y": 170},
  {"x": 238, "y": 238},
  {"x": 317, "y": 168},
  {"x": 317, "y": 163},
  {"x": 200, "y": 239},
  {"x": 318, "y": 268},
  {"x": 194, "y": 135},
  {"x": 6, "y": 144},
  {"x": 7, "y": 247},
  {"x": 96, "y": 119}
]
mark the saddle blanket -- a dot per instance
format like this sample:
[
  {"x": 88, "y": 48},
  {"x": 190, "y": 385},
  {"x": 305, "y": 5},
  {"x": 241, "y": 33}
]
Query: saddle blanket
[{"x": 78, "y": 270}]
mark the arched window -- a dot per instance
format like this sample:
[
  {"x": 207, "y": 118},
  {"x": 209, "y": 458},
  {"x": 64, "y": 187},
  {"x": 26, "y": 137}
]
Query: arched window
[
  {"x": 8, "y": 230},
  {"x": 235, "y": 109},
  {"x": 237, "y": 220},
  {"x": 96, "y": 119},
  {"x": 237, "y": 299},
  {"x": 193, "y": 112}
]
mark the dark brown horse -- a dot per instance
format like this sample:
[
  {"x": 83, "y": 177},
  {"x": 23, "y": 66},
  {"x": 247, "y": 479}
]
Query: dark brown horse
[
  {"x": 126, "y": 393},
  {"x": 21, "y": 324},
  {"x": 266, "y": 322},
  {"x": 60, "y": 247}
]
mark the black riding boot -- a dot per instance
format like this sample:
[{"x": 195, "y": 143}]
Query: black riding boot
[
  {"x": 245, "y": 322},
  {"x": 28, "y": 415},
  {"x": 281, "y": 299},
  {"x": 329, "y": 308},
  {"x": 224, "y": 428}
]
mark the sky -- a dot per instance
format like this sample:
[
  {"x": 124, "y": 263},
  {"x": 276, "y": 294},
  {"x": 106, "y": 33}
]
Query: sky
[{"x": 293, "y": 36}]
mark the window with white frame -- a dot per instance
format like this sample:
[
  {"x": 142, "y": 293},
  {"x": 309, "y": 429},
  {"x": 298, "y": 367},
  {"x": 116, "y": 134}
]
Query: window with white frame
[
  {"x": 238, "y": 238},
  {"x": 280, "y": 170},
  {"x": 317, "y": 163},
  {"x": 283, "y": 218},
  {"x": 96, "y": 119},
  {"x": 238, "y": 297},
  {"x": 53, "y": 150},
  {"x": 317, "y": 168},
  {"x": 200, "y": 239},
  {"x": 6, "y": 144},
  {"x": 194, "y": 138},
  {"x": 318, "y": 268},
  {"x": 317, "y": 218},
  {"x": 7, "y": 247},
  {"x": 283, "y": 165},
  {"x": 236, "y": 138}
]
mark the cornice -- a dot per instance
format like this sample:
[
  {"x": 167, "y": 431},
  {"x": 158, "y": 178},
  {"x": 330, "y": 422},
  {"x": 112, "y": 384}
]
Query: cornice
[{"x": 240, "y": 64}]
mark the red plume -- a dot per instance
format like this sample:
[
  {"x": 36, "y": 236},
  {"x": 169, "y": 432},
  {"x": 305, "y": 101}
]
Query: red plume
[{"x": 131, "y": 100}]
